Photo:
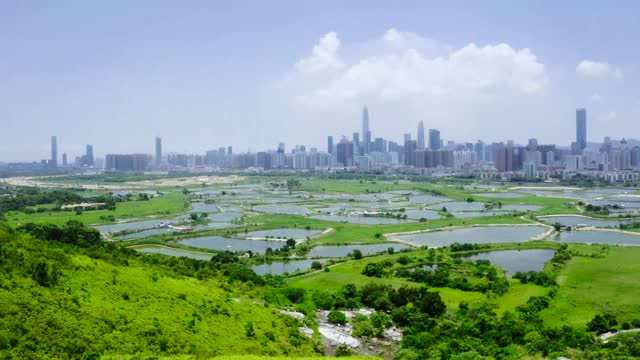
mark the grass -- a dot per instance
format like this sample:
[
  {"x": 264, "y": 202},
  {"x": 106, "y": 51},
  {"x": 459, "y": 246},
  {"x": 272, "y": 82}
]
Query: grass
[
  {"x": 517, "y": 295},
  {"x": 115, "y": 309},
  {"x": 589, "y": 286},
  {"x": 172, "y": 203},
  {"x": 347, "y": 233}
]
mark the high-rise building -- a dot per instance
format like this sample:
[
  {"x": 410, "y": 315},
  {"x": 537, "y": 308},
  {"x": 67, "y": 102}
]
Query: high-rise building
[
  {"x": 434, "y": 139},
  {"x": 356, "y": 143},
  {"x": 330, "y": 144},
  {"x": 158, "y": 151},
  {"x": 504, "y": 158},
  {"x": 410, "y": 152},
  {"x": 54, "y": 152},
  {"x": 64, "y": 160},
  {"x": 581, "y": 128},
  {"x": 421, "y": 136},
  {"x": 88, "y": 156},
  {"x": 345, "y": 152},
  {"x": 366, "y": 134}
]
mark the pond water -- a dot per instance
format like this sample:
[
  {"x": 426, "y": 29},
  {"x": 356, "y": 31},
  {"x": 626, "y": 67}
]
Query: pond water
[
  {"x": 343, "y": 250},
  {"x": 203, "y": 207},
  {"x": 283, "y": 233},
  {"x": 470, "y": 214},
  {"x": 223, "y": 243},
  {"x": 513, "y": 261},
  {"x": 139, "y": 225},
  {"x": 145, "y": 233},
  {"x": 598, "y": 237},
  {"x": 504, "y": 195},
  {"x": 473, "y": 235},
  {"x": 156, "y": 249},
  {"x": 215, "y": 225},
  {"x": 289, "y": 210},
  {"x": 460, "y": 206},
  {"x": 362, "y": 220},
  {"x": 224, "y": 216},
  {"x": 281, "y": 267},
  {"x": 580, "y": 220},
  {"x": 428, "y": 199},
  {"x": 417, "y": 214}
]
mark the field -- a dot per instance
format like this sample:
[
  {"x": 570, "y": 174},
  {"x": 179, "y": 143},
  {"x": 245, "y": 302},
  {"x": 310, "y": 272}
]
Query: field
[
  {"x": 169, "y": 204},
  {"x": 590, "y": 286}
]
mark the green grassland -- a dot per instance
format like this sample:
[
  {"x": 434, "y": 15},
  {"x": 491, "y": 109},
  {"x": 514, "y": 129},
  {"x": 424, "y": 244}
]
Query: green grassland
[
  {"x": 169, "y": 204},
  {"x": 113, "y": 306},
  {"x": 592, "y": 285},
  {"x": 351, "y": 272}
]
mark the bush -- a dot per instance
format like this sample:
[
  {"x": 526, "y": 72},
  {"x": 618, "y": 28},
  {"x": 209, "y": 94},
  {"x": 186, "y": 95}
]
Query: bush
[
  {"x": 316, "y": 265},
  {"x": 357, "y": 254},
  {"x": 337, "y": 318}
]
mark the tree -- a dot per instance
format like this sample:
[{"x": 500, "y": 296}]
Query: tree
[
  {"x": 291, "y": 243},
  {"x": 357, "y": 254},
  {"x": 316, "y": 265},
  {"x": 337, "y": 318},
  {"x": 193, "y": 216},
  {"x": 602, "y": 323},
  {"x": 44, "y": 274},
  {"x": 248, "y": 330}
]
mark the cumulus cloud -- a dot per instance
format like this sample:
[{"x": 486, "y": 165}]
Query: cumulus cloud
[
  {"x": 324, "y": 55},
  {"x": 611, "y": 116},
  {"x": 401, "y": 71},
  {"x": 598, "y": 69}
]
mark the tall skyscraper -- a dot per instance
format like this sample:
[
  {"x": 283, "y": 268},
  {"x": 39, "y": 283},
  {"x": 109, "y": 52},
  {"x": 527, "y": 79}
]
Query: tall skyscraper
[
  {"x": 345, "y": 152},
  {"x": 330, "y": 144},
  {"x": 420, "y": 135},
  {"x": 89, "y": 156},
  {"x": 158, "y": 151},
  {"x": 54, "y": 151},
  {"x": 366, "y": 134},
  {"x": 434, "y": 139},
  {"x": 64, "y": 160},
  {"x": 581, "y": 128}
]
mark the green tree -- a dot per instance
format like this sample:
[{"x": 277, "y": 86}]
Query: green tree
[{"x": 337, "y": 318}]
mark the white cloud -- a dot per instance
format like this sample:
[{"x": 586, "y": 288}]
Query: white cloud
[
  {"x": 598, "y": 69},
  {"x": 324, "y": 55},
  {"x": 401, "y": 71},
  {"x": 596, "y": 97},
  {"x": 611, "y": 116}
]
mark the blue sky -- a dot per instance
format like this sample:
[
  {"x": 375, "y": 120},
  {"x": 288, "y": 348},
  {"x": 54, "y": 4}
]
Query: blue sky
[{"x": 204, "y": 74}]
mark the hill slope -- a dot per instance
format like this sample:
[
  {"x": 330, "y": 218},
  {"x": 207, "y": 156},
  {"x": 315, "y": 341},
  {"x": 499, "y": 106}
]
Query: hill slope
[{"x": 62, "y": 301}]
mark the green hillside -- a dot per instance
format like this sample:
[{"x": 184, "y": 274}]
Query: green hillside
[{"x": 63, "y": 301}]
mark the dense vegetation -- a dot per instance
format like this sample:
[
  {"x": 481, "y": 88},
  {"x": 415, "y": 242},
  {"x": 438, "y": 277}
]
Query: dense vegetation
[{"x": 64, "y": 295}]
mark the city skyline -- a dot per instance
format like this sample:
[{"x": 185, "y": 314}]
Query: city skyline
[
  {"x": 500, "y": 72},
  {"x": 433, "y": 142}
]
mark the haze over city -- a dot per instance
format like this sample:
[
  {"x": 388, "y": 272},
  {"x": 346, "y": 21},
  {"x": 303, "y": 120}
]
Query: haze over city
[{"x": 237, "y": 73}]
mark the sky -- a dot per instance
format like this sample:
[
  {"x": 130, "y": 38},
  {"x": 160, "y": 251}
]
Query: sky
[{"x": 251, "y": 74}]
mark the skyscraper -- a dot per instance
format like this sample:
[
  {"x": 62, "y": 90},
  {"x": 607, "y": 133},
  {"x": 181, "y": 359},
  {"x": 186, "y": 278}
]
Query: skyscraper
[
  {"x": 366, "y": 134},
  {"x": 89, "y": 156},
  {"x": 581, "y": 128},
  {"x": 330, "y": 144},
  {"x": 54, "y": 152},
  {"x": 158, "y": 151},
  {"x": 420, "y": 135},
  {"x": 345, "y": 152},
  {"x": 434, "y": 139},
  {"x": 64, "y": 160}
]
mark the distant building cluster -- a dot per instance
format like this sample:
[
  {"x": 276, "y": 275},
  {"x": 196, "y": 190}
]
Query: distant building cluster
[{"x": 427, "y": 155}]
